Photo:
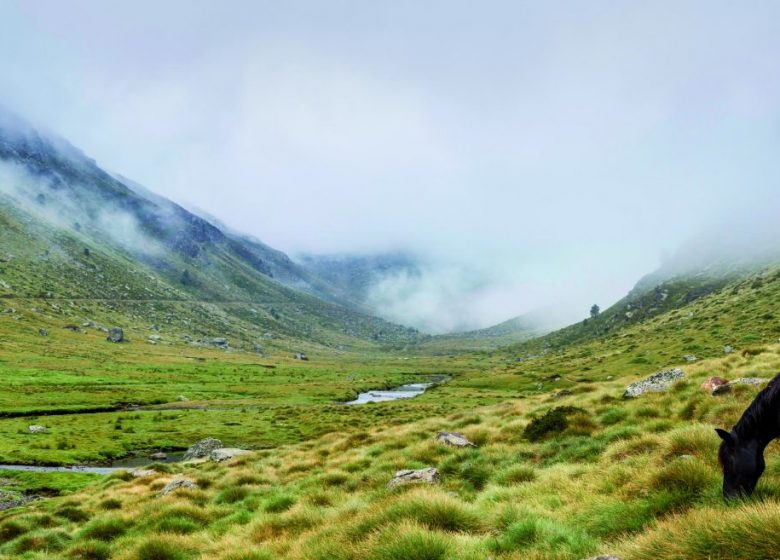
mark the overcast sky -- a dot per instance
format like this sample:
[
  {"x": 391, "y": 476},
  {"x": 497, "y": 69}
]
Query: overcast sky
[{"x": 553, "y": 150}]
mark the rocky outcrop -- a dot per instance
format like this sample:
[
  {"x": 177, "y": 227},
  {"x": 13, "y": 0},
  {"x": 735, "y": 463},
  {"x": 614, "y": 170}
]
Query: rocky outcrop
[
  {"x": 726, "y": 387},
  {"x": 227, "y": 453},
  {"x": 429, "y": 475},
  {"x": 115, "y": 334},
  {"x": 178, "y": 484},
  {"x": 202, "y": 448},
  {"x": 656, "y": 383},
  {"x": 454, "y": 439},
  {"x": 34, "y": 429}
]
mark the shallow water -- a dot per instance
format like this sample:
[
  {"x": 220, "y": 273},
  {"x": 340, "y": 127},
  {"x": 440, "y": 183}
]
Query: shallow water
[
  {"x": 118, "y": 465},
  {"x": 408, "y": 391}
]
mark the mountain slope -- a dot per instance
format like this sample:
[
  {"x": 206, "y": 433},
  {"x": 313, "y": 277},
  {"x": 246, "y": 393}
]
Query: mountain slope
[{"x": 73, "y": 231}]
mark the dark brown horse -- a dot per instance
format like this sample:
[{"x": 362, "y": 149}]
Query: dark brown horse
[{"x": 741, "y": 452}]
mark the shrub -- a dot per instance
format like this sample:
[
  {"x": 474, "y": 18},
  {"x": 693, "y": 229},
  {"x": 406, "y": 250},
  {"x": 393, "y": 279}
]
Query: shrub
[
  {"x": 437, "y": 512},
  {"x": 72, "y": 514},
  {"x": 410, "y": 544},
  {"x": 517, "y": 474},
  {"x": 613, "y": 416},
  {"x": 553, "y": 422},
  {"x": 89, "y": 550},
  {"x": 278, "y": 504},
  {"x": 159, "y": 548},
  {"x": 11, "y": 529},
  {"x": 104, "y": 528},
  {"x": 111, "y": 503},
  {"x": 42, "y": 540},
  {"x": 231, "y": 495}
]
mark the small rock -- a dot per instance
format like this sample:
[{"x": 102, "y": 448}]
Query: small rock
[
  {"x": 158, "y": 456},
  {"x": 713, "y": 383},
  {"x": 181, "y": 398},
  {"x": 428, "y": 475},
  {"x": 141, "y": 473},
  {"x": 202, "y": 448},
  {"x": 218, "y": 342},
  {"x": 177, "y": 484},
  {"x": 115, "y": 334},
  {"x": 227, "y": 453},
  {"x": 727, "y": 349},
  {"x": 34, "y": 429},
  {"x": 656, "y": 383},
  {"x": 43, "y": 332},
  {"x": 562, "y": 393},
  {"x": 301, "y": 356},
  {"x": 749, "y": 381},
  {"x": 454, "y": 439},
  {"x": 690, "y": 358}
]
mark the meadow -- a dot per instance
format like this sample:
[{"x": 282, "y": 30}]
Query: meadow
[{"x": 564, "y": 468}]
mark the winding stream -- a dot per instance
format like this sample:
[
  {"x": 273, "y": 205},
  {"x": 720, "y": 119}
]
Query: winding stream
[{"x": 407, "y": 391}]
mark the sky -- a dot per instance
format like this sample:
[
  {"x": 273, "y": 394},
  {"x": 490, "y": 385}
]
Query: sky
[{"x": 533, "y": 153}]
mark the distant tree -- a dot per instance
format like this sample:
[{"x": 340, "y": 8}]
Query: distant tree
[{"x": 594, "y": 311}]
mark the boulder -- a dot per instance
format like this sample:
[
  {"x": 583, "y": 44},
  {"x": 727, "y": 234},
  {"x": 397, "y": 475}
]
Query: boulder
[
  {"x": 301, "y": 356},
  {"x": 690, "y": 358},
  {"x": 726, "y": 388},
  {"x": 115, "y": 334},
  {"x": 428, "y": 475},
  {"x": 181, "y": 398},
  {"x": 219, "y": 342},
  {"x": 141, "y": 473},
  {"x": 158, "y": 456},
  {"x": 177, "y": 484},
  {"x": 36, "y": 429},
  {"x": 227, "y": 453},
  {"x": 656, "y": 383},
  {"x": 202, "y": 448},
  {"x": 713, "y": 383},
  {"x": 727, "y": 349},
  {"x": 454, "y": 439},
  {"x": 43, "y": 332}
]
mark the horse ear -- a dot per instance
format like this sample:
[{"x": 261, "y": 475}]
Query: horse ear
[{"x": 725, "y": 436}]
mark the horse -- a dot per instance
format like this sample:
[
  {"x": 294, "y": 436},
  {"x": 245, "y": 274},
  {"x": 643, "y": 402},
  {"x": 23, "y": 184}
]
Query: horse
[{"x": 741, "y": 453}]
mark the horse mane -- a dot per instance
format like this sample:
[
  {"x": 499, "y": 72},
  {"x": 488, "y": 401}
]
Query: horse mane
[{"x": 755, "y": 421}]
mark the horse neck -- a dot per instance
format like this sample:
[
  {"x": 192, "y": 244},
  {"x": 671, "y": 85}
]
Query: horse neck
[{"x": 761, "y": 428}]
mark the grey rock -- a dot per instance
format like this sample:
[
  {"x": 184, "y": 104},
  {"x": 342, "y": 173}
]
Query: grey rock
[
  {"x": 202, "y": 448},
  {"x": 43, "y": 332},
  {"x": 656, "y": 383},
  {"x": 428, "y": 475},
  {"x": 726, "y": 388},
  {"x": 227, "y": 453},
  {"x": 690, "y": 358},
  {"x": 727, "y": 349},
  {"x": 181, "y": 398},
  {"x": 454, "y": 439},
  {"x": 34, "y": 429},
  {"x": 219, "y": 342},
  {"x": 142, "y": 473},
  {"x": 115, "y": 334},
  {"x": 177, "y": 484},
  {"x": 158, "y": 456},
  {"x": 301, "y": 356}
]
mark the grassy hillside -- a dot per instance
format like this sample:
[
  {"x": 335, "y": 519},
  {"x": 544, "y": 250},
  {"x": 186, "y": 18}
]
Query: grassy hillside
[
  {"x": 636, "y": 477},
  {"x": 70, "y": 231}
]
